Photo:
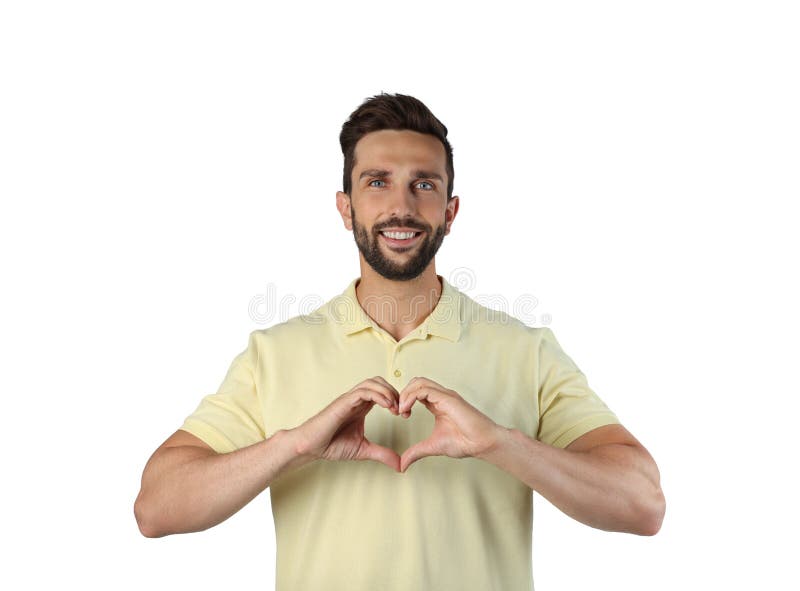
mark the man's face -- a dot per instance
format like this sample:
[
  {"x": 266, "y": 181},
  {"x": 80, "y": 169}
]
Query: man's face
[{"x": 399, "y": 187}]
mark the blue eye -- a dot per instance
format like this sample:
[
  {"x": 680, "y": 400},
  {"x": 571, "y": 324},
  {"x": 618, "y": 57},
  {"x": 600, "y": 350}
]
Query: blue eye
[
  {"x": 376, "y": 181},
  {"x": 430, "y": 185}
]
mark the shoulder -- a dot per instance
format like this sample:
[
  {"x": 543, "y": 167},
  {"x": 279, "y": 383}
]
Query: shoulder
[
  {"x": 489, "y": 317},
  {"x": 301, "y": 324},
  {"x": 301, "y": 327}
]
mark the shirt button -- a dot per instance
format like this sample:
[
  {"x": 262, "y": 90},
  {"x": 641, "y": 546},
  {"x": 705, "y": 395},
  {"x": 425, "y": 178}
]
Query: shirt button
[{"x": 397, "y": 373}]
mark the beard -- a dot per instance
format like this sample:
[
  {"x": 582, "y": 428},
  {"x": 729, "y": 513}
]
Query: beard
[{"x": 391, "y": 269}]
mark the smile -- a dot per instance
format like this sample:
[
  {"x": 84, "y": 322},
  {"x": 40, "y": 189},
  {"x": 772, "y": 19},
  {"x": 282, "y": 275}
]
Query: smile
[{"x": 401, "y": 239}]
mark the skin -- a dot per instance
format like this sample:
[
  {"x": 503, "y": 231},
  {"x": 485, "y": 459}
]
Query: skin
[
  {"x": 401, "y": 198},
  {"x": 605, "y": 478}
]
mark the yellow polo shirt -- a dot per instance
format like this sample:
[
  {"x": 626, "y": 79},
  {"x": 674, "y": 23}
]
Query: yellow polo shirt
[{"x": 460, "y": 524}]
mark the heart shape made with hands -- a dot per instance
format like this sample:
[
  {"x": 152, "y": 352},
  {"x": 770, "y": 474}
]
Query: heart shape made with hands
[{"x": 460, "y": 430}]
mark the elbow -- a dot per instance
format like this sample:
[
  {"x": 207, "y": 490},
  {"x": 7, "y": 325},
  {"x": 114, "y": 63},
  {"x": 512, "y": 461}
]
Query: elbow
[
  {"x": 145, "y": 520},
  {"x": 651, "y": 515}
]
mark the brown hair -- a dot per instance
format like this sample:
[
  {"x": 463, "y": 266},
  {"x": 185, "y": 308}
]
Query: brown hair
[{"x": 391, "y": 111}]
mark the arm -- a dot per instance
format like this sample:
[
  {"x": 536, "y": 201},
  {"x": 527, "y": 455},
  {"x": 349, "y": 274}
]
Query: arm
[
  {"x": 605, "y": 478},
  {"x": 188, "y": 487}
]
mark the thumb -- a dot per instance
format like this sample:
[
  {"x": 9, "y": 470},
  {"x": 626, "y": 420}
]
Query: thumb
[
  {"x": 378, "y": 453},
  {"x": 415, "y": 452}
]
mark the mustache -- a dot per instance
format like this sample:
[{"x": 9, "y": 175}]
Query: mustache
[{"x": 413, "y": 224}]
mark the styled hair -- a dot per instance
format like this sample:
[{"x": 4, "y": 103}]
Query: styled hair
[{"x": 391, "y": 111}]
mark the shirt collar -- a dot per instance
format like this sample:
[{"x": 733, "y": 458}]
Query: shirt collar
[{"x": 443, "y": 321}]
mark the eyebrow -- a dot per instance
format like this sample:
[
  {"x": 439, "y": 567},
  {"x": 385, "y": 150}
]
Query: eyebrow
[
  {"x": 376, "y": 172},
  {"x": 373, "y": 172}
]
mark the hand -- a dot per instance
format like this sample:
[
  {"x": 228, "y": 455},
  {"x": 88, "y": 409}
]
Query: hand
[
  {"x": 460, "y": 430},
  {"x": 337, "y": 431}
]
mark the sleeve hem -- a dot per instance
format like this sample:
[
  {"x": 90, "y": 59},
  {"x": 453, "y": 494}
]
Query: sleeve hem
[
  {"x": 584, "y": 427},
  {"x": 209, "y": 435}
]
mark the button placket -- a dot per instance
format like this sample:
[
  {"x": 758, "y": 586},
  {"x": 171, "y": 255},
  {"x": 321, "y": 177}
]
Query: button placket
[{"x": 395, "y": 369}]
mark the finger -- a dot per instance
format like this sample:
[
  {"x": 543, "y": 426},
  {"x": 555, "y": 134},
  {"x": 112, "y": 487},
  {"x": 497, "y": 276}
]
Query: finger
[
  {"x": 419, "y": 381},
  {"x": 380, "y": 385},
  {"x": 407, "y": 413},
  {"x": 421, "y": 392},
  {"x": 413, "y": 385},
  {"x": 369, "y": 395},
  {"x": 405, "y": 400},
  {"x": 414, "y": 453},
  {"x": 378, "y": 453},
  {"x": 386, "y": 388},
  {"x": 387, "y": 385},
  {"x": 355, "y": 403},
  {"x": 380, "y": 382},
  {"x": 374, "y": 385}
]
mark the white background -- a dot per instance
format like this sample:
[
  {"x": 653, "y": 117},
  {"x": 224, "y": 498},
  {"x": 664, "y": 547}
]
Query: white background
[{"x": 632, "y": 165}]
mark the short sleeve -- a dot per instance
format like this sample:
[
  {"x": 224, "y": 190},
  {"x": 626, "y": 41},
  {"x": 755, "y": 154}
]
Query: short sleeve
[
  {"x": 231, "y": 418},
  {"x": 568, "y": 407}
]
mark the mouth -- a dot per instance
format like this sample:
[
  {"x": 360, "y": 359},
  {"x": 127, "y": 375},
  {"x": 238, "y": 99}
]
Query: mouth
[{"x": 400, "y": 239}]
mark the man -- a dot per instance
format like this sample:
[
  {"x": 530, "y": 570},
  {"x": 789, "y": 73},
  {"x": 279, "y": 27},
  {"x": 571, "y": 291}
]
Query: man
[{"x": 499, "y": 409}]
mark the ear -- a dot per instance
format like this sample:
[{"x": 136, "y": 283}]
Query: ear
[
  {"x": 343, "y": 205},
  {"x": 450, "y": 213}
]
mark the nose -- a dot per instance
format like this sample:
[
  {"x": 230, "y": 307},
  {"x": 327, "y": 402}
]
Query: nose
[{"x": 402, "y": 202}]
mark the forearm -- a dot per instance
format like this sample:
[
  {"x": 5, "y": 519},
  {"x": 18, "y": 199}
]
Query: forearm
[
  {"x": 610, "y": 487},
  {"x": 187, "y": 489}
]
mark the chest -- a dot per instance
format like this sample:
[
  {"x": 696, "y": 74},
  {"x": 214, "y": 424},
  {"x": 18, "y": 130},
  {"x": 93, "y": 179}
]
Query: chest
[{"x": 495, "y": 377}]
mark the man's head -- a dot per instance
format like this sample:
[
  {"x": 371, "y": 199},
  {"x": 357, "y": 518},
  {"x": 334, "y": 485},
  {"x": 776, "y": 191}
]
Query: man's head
[
  {"x": 391, "y": 111},
  {"x": 398, "y": 176}
]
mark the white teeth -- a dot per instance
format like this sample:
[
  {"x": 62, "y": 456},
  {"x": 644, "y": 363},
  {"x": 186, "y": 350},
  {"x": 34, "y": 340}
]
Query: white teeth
[{"x": 399, "y": 235}]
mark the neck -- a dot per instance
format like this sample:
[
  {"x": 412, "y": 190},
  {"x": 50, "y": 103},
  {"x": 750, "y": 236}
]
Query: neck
[{"x": 398, "y": 306}]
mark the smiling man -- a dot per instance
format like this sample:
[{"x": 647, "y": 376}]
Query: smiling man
[
  {"x": 433, "y": 490},
  {"x": 409, "y": 244}
]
